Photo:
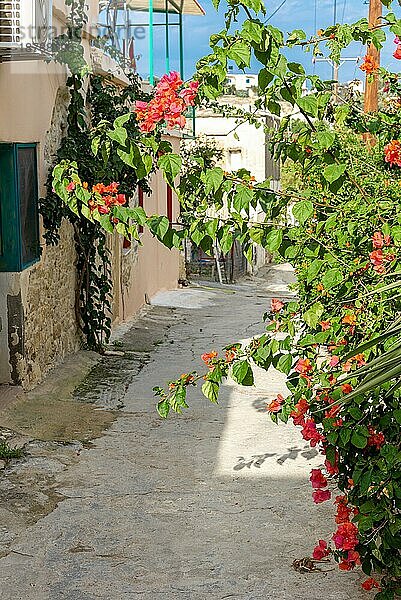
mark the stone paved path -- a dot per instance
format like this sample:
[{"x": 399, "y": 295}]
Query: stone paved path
[{"x": 214, "y": 504}]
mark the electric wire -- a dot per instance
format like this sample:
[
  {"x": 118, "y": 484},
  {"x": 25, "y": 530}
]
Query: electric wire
[
  {"x": 344, "y": 8},
  {"x": 276, "y": 11}
]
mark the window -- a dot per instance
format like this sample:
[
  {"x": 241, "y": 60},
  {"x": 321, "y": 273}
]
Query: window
[
  {"x": 19, "y": 219},
  {"x": 234, "y": 159}
]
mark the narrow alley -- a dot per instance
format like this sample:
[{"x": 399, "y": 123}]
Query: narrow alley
[{"x": 215, "y": 503}]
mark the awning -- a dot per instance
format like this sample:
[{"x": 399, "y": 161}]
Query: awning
[{"x": 185, "y": 7}]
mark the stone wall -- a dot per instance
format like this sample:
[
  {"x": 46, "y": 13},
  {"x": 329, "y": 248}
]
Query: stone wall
[{"x": 48, "y": 298}]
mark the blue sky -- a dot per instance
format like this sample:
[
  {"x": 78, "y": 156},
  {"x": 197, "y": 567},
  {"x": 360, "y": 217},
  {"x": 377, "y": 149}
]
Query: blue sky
[{"x": 295, "y": 14}]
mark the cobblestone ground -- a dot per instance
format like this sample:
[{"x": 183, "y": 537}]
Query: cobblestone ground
[{"x": 213, "y": 504}]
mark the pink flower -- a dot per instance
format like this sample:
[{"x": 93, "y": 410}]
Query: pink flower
[
  {"x": 276, "y": 305},
  {"x": 303, "y": 366},
  {"x": 317, "y": 479},
  {"x": 334, "y": 361},
  {"x": 320, "y": 496},
  {"x": 70, "y": 187}
]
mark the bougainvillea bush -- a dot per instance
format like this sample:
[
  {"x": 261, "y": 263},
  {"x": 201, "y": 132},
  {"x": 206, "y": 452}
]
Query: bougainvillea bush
[{"x": 343, "y": 194}]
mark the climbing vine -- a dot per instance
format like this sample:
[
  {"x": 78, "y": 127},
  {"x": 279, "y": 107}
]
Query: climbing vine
[{"x": 95, "y": 102}]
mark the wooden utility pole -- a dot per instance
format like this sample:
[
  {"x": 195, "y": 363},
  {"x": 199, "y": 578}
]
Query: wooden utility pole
[{"x": 372, "y": 87}]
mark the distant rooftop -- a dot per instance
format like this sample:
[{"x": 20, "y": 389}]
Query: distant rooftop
[{"x": 184, "y": 7}]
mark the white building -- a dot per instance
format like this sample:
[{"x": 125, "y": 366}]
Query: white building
[
  {"x": 242, "y": 81},
  {"x": 244, "y": 146}
]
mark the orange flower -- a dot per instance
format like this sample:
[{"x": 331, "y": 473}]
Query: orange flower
[
  {"x": 320, "y": 287},
  {"x": 275, "y": 405},
  {"x": 349, "y": 319},
  {"x": 392, "y": 153},
  {"x": 207, "y": 357},
  {"x": 369, "y": 65}
]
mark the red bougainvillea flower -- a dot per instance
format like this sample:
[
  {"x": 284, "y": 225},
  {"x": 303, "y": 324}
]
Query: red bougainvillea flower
[
  {"x": 392, "y": 153},
  {"x": 321, "y": 550},
  {"x": 332, "y": 413},
  {"x": 330, "y": 468},
  {"x": 320, "y": 496},
  {"x": 276, "y": 305},
  {"x": 343, "y": 510},
  {"x": 369, "y": 65},
  {"x": 303, "y": 366},
  {"x": 376, "y": 257},
  {"x": 397, "y": 53},
  {"x": 350, "y": 562},
  {"x": 207, "y": 357},
  {"x": 310, "y": 433},
  {"x": 106, "y": 196},
  {"x": 379, "y": 240},
  {"x": 317, "y": 479},
  {"x": 375, "y": 439},
  {"x": 300, "y": 409},
  {"x": 170, "y": 101},
  {"x": 346, "y": 388},
  {"x": 346, "y": 536},
  {"x": 325, "y": 325},
  {"x": 370, "y": 583},
  {"x": 275, "y": 405},
  {"x": 70, "y": 187}
]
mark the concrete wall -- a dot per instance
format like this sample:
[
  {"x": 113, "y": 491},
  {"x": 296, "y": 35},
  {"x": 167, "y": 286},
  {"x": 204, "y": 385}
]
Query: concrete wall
[
  {"x": 150, "y": 267},
  {"x": 37, "y": 307}
]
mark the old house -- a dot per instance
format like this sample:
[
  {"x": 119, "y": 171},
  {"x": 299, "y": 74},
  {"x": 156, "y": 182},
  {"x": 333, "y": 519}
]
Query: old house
[{"x": 37, "y": 282}]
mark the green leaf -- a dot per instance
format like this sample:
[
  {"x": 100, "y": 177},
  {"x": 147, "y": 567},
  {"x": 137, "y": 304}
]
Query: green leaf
[
  {"x": 242, "y": 373},
  {"x": 118, "y": 135},
  {"x": 358, "y": 439},
  {"x": 309, "y": 105},
  {"x": 302, "y": 210},
  {"x": 170, "y": 164},
  {"x": 163, "y": 408},
  {"x": 120, "y": 121},
  {"x": 213, "y": 178},
  {"x": 313, "y": 315},
  {"x": 326, "y": 139},
  {"x": 210, "y": 389},
  {"x": 331, "y": 278},
  {"x": 265, "y": 78},
  {"x": 333, "y": 172},
  {"x": 242, "y": 198},
  {"x": 252, "y": 31},
  {"x": 240, "y": 52},
  {"x": 284, "y": 363},
  {"x": 274, "y": 239},
  {"x": 314, "y": 269}
]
